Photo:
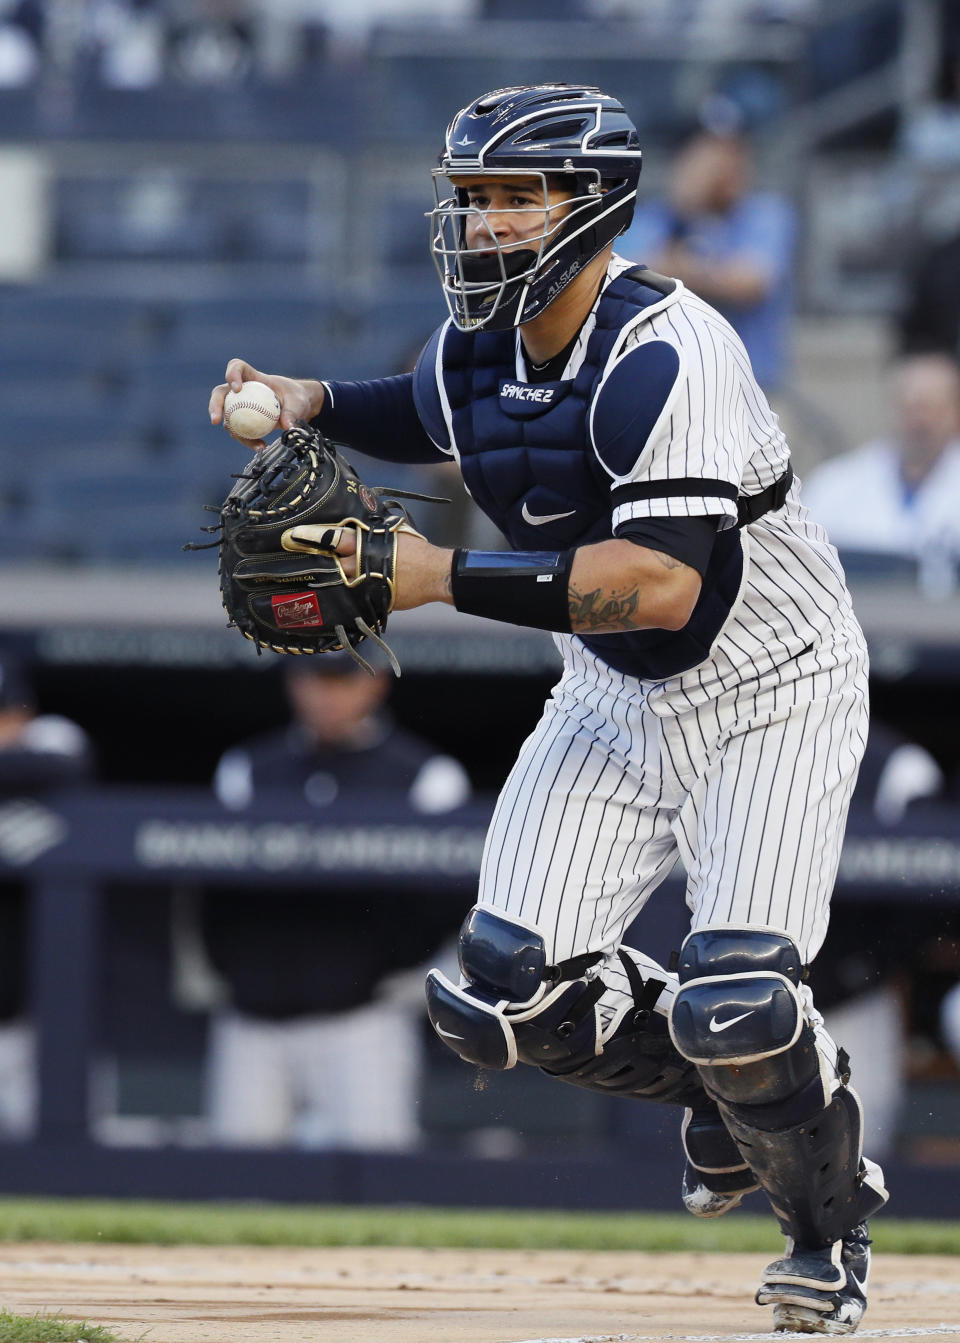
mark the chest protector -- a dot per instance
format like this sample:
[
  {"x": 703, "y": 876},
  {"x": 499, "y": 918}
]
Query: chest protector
[{"x": 527, "y": 460}]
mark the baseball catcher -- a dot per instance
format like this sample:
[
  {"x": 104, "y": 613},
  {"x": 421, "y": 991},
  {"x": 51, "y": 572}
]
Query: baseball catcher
[
  {"x": 713, "y": 703},
  {"x": 282, "y": 581}
]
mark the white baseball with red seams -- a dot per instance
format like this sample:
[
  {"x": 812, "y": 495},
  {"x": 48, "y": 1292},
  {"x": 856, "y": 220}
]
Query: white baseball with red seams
[{"x": 251, "y": 412}]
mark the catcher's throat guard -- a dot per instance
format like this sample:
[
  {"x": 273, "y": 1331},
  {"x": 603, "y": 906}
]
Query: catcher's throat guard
[{"x": 282, "y": 581}]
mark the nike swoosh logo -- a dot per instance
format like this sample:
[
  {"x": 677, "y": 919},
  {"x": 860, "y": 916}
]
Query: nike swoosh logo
[
  {"x": 538, "y": 519},
  {"x": 716, "y": 1025},
  {"x": 449, "y": 1035}
]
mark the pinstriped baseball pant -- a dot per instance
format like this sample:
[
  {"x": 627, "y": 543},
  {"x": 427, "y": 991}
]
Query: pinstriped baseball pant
[{"x": 750, "y": 791}]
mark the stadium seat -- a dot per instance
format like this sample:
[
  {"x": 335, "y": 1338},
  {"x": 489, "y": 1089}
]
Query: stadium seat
[
  {"x": 150, "y": 217},
  {"x": 111, "y": 512}
]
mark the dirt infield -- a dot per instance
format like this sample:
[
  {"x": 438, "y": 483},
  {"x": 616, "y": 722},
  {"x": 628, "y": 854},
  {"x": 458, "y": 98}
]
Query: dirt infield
[{"x": 203, "y": 1295}]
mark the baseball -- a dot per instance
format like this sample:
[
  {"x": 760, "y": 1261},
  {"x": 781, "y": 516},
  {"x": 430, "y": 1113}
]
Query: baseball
[{"x": 251, "y": 412}]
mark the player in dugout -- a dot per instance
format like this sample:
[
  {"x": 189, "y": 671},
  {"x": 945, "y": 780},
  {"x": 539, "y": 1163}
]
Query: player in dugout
[{"x": 713, "y": 699}]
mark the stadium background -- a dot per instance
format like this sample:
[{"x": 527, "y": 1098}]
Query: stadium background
[{"x": 183, "y": 183}]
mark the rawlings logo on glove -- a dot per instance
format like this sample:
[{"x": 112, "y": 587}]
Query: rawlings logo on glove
[{"x": 282, "y": 581}]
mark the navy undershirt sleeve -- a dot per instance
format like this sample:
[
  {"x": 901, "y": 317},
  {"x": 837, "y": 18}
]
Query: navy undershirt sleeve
[
  {"x": 689, "y": 540},
  {"x": 378, "y": 418}
]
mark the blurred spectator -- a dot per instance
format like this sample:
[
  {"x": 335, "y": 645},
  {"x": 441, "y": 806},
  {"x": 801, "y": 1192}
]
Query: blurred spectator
[
  {"x": 141, "y": 43},
  {"x": 320, "y": 1045},
  {"x": 350, "y": 23},
  {"x": 930, "y": 318},
  {"x": 21, "y": 29},
  {"x": 930, "y": 134},
  {"x": 950, "y": 1022},
  {"x": 729, "y": 243},
  {"x": 930, "y": 140},
  {"x": 128, "y": 37},
  {"x": 38, "y": 753},
  {"x": 895, "y": 774},
  {"x": 901, "y": 495},
  {"x": 860, "y": 974},
  {"x": 212, "y": 46}
]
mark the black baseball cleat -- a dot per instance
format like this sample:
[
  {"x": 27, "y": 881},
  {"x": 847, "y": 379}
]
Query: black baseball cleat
[{"x": 819, "y": 1291}]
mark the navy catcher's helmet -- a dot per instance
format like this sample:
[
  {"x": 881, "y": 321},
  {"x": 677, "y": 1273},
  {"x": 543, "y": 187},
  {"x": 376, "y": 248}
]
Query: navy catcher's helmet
[{"x": 567, "y": 134}]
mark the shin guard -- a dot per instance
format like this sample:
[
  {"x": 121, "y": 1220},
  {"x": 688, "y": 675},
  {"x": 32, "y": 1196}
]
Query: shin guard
[{"x": 797, "y": 1125}]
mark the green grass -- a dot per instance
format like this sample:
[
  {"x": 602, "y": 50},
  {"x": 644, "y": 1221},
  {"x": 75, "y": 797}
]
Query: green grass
[
  {"x": 281, "y": 1224},
  {"x": 50, "y": 1329}
]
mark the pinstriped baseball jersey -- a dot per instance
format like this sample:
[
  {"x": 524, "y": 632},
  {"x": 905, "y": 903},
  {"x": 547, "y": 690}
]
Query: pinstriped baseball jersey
[
  {"x": 741, "y": 767},
  {"x": 717, "y": 425}
]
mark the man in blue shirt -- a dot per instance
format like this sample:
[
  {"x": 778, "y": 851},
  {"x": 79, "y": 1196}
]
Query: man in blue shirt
[{"x": 728, "y": 243}]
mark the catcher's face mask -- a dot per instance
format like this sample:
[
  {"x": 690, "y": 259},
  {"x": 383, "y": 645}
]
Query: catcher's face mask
[
  {"x": 574, "y": 136},
  {"x": 499, "y": 235}
]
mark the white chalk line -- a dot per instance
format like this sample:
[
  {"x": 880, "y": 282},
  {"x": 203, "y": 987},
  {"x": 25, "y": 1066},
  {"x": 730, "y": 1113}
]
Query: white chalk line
[{"x": 931, "y": 1331}]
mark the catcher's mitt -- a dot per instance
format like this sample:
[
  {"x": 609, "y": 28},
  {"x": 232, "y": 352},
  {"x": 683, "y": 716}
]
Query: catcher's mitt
[{"x": 282, "y": 583}]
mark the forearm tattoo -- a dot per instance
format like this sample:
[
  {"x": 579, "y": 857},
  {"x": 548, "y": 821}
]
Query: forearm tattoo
[{"x": 600, "y": 612}]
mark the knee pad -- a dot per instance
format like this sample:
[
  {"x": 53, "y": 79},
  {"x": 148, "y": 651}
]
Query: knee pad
[
  {"x": 514, "y": 1007},
  {"x": 739, "y": 1018}
]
